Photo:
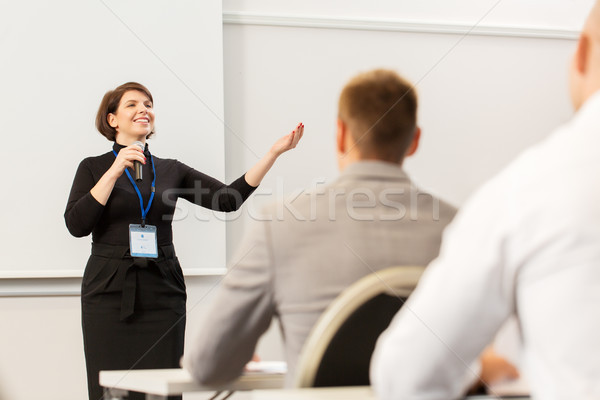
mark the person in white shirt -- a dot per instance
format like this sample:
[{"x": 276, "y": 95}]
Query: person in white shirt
[{"x": 527, "y": 244}]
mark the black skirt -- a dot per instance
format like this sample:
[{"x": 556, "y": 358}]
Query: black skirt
[{"x": 133, "y": 313}]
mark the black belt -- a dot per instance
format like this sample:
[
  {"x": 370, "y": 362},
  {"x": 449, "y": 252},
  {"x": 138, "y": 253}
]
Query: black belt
[{"x": 130, "y": 281}]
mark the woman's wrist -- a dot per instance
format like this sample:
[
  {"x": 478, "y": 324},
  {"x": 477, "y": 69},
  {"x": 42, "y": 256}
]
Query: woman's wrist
[
  {"x": 272, "y": 155},
  {"x": 113, "y": 174}
]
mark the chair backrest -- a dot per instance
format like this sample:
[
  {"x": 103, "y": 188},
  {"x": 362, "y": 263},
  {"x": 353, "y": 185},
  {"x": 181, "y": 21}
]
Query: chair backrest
[{"x": 339, "y": 348}]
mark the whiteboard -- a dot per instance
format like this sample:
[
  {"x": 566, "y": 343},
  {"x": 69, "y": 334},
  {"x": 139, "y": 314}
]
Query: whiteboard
[{"x": 58, "y": 60}]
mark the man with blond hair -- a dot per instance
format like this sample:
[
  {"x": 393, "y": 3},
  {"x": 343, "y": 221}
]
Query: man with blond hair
[
  {"x": 527, "y": 244},
  {"x": 298, "y": 258}
]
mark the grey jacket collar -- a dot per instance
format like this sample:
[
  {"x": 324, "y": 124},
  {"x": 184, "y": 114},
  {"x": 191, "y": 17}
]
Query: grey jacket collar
[{"x": 371, "y": 169}]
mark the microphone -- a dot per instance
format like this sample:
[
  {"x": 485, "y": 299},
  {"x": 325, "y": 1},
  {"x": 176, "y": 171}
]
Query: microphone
[{"x": 137, "y": 166}]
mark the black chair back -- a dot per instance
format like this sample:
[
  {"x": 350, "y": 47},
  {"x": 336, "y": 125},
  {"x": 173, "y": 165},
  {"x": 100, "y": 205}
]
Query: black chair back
[
  {"x": 348, "y": 356},
  {"x": 338, "y": 350}
]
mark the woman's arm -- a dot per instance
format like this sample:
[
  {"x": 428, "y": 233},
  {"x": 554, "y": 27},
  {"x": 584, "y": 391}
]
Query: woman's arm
[
  {"x": 103, "y": 188},
  {"x": 211, "y": 193},
  {"x": 256, "y": 174},
  {"x": 83, "y": 211},
  {"x": 88, "y": 197}
]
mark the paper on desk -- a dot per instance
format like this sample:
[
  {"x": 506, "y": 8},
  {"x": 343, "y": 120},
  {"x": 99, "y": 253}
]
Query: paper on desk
[
  {"x": 513, "y": 387},
  {"x": 266, "y": 367}
]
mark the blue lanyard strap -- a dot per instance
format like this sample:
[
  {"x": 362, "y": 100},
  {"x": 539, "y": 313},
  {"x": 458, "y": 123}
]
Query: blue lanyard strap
[{"x": 137, "y": 190}]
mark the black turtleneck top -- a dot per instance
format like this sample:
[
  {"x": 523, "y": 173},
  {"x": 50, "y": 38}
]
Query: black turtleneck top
[{"x": 109, "y": 224}]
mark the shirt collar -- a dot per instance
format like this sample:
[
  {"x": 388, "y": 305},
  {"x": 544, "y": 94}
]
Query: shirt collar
[
  {"x": 376, "y": 170},
  {"x": 117, "y": 147},
  {"x": 590, "y": 107}
]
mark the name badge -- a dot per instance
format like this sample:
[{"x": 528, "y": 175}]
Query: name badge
[{"x": 143, "y": 241}]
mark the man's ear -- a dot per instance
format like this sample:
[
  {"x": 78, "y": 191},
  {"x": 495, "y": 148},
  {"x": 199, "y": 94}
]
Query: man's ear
[
  {"x": 414, "y": 145},
  {"x": 112, "y": 120},
  {"x": 582, "y": 54},
  {"x": 340, "y": 138}
]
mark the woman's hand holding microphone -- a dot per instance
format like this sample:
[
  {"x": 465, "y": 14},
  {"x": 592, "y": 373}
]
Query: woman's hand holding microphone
[{"x": 125, "y": 159}]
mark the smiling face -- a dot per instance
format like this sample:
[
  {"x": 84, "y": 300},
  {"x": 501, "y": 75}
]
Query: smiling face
[{"x": 134, "y": 118}]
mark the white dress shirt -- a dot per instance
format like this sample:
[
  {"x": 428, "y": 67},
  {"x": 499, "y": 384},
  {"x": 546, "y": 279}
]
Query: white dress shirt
[{"x": 526, "y": 244}]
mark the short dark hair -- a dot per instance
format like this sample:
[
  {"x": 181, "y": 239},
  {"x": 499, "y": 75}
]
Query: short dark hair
[
  {"x": 380, "y": 110},
  {"x": 110, "y": 103}
]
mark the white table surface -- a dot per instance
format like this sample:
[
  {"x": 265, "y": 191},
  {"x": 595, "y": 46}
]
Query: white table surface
[
  {"x": 263, "y": 375},
  {"x": 176, "y": 381},
  {"x": 333, "y": 393},
  {"x": 330, "y": 393}
]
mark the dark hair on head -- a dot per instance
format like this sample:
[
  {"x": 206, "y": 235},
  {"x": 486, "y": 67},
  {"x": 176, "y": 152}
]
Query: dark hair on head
[
  {"x": 380, "y": 109},
  {"x": 110, "y": 103}
]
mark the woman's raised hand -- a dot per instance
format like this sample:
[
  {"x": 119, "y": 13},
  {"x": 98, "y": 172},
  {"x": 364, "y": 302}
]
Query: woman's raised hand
[
  {"x": 255, "y": 174},
  {"x": 126, "y": 157},
  {"x": 288, "y": 141}
]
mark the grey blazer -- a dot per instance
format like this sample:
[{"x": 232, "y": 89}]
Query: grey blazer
[{"x": 304, "y": 252}]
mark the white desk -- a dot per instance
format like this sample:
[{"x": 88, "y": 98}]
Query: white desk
[
  {"x": 335, "y": 393},
  {"x": 330, "y": 393},
  {"x": 160, "y": 383}
]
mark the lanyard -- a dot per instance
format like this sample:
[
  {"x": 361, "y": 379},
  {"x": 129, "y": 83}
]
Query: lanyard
[{"x": 137, "y": 190}]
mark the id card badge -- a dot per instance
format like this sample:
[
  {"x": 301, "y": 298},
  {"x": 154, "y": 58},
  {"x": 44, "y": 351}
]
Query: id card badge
[{"x": 143, "y": 241}]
